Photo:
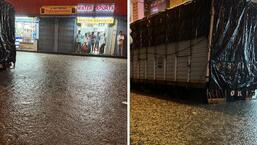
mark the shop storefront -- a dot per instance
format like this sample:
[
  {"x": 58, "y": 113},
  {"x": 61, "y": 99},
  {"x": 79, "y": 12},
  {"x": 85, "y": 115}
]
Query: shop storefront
[
  {"x": 90, "y": 29},
  {"x": 100, "y": 30},
  {"x": 26, "y": 32},
  {"x": 96, "y": 35}
]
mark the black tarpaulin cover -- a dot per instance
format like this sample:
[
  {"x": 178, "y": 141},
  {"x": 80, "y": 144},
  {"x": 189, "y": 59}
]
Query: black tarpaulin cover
[
  {"x": 233, "y": 61},
  {"x": 181, "y": 23},
  {"x": 7, "y": 33}
]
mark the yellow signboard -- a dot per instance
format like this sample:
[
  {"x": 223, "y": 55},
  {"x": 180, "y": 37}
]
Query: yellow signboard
[
  {"x": 58, "y": 10},
  {"x": 96, "y": 20}
]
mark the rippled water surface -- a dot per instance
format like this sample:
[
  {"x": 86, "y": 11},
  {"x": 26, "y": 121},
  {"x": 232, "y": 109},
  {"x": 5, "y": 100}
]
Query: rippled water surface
[
  {"x": 157, "y": 121},
  {"x": 63, "y": 100}
]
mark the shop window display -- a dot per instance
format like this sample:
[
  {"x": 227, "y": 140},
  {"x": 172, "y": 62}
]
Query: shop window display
[
  {"x": 97, "y": 36},
  {"x": 91, "y": 41},
  {"x": 26, "y": 33}
]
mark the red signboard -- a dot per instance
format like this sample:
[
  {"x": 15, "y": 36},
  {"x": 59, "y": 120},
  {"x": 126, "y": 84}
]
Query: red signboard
[{"x": 32, "y": 7}]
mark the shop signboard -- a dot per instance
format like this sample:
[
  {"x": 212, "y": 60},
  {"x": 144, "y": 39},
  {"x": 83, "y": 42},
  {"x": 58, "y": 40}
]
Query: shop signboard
[
  {"x": 96, "y": 9},
  {"x": 95, "y": 20},
  {"x": 105, "y": 8},
  {"x": 86, "y": 8},
  {"x": 58, "y": 10},
  {"x": 26, "y": 19}
]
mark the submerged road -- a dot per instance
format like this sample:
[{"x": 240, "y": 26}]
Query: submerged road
[
  {"x": 161, "y": 121},
  {"x": 63, "y": 100}
]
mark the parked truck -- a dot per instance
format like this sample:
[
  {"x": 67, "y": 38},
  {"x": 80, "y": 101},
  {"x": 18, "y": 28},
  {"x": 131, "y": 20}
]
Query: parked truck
[
  {"x": 7, "y": 35},
  {"x": 201, "y": 48}
]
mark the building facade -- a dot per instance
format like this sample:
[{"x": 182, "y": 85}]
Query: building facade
[
  {"x": 90, "y": 28},
  {"x": 143, "y": 8}
]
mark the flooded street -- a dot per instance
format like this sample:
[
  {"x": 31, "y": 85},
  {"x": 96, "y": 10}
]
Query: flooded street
[
  {"x": 63, "y": 100},
  {"x": 163, "y": 121}
]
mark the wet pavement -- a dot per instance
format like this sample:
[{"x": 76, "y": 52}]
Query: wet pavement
[
  {"x": 161, "y": 121},
  {"x": 63, "y": 100}
]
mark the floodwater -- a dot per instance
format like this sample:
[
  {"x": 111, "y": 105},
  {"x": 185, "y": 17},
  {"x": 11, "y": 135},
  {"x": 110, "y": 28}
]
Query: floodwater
[
  {"x": 63, "y": 100},
  {"x": 163, "y": 121}
]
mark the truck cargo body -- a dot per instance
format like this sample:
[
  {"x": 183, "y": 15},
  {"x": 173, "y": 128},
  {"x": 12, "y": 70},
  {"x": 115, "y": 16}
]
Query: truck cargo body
[
  {"x": 209, "y": 45},
  {"x": 183, "y": 62}
]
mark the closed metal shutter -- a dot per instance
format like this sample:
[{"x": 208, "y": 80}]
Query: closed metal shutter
[
  {"x": 66, "y": 38},
  {"x": 46, "y": 35},
  {"x": 56, "y": 34}
]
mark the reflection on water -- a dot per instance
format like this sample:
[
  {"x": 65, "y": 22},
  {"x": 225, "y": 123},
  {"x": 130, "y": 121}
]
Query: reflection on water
[
  {"x": 55, "y": 99},
  {"x": 160, "y": 121}
]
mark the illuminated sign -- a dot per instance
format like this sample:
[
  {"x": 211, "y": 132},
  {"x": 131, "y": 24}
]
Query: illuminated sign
[
  {"x": 85, "y": 8},
  {"x": 26, "y": 19},
  {"x": 95, "y": 20},
  {"x": 58, "y": 10},
  {"x": 109, "y": 8},
  {"x": 157, "y": 6},
  {"x": 96, "y": 9}
]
